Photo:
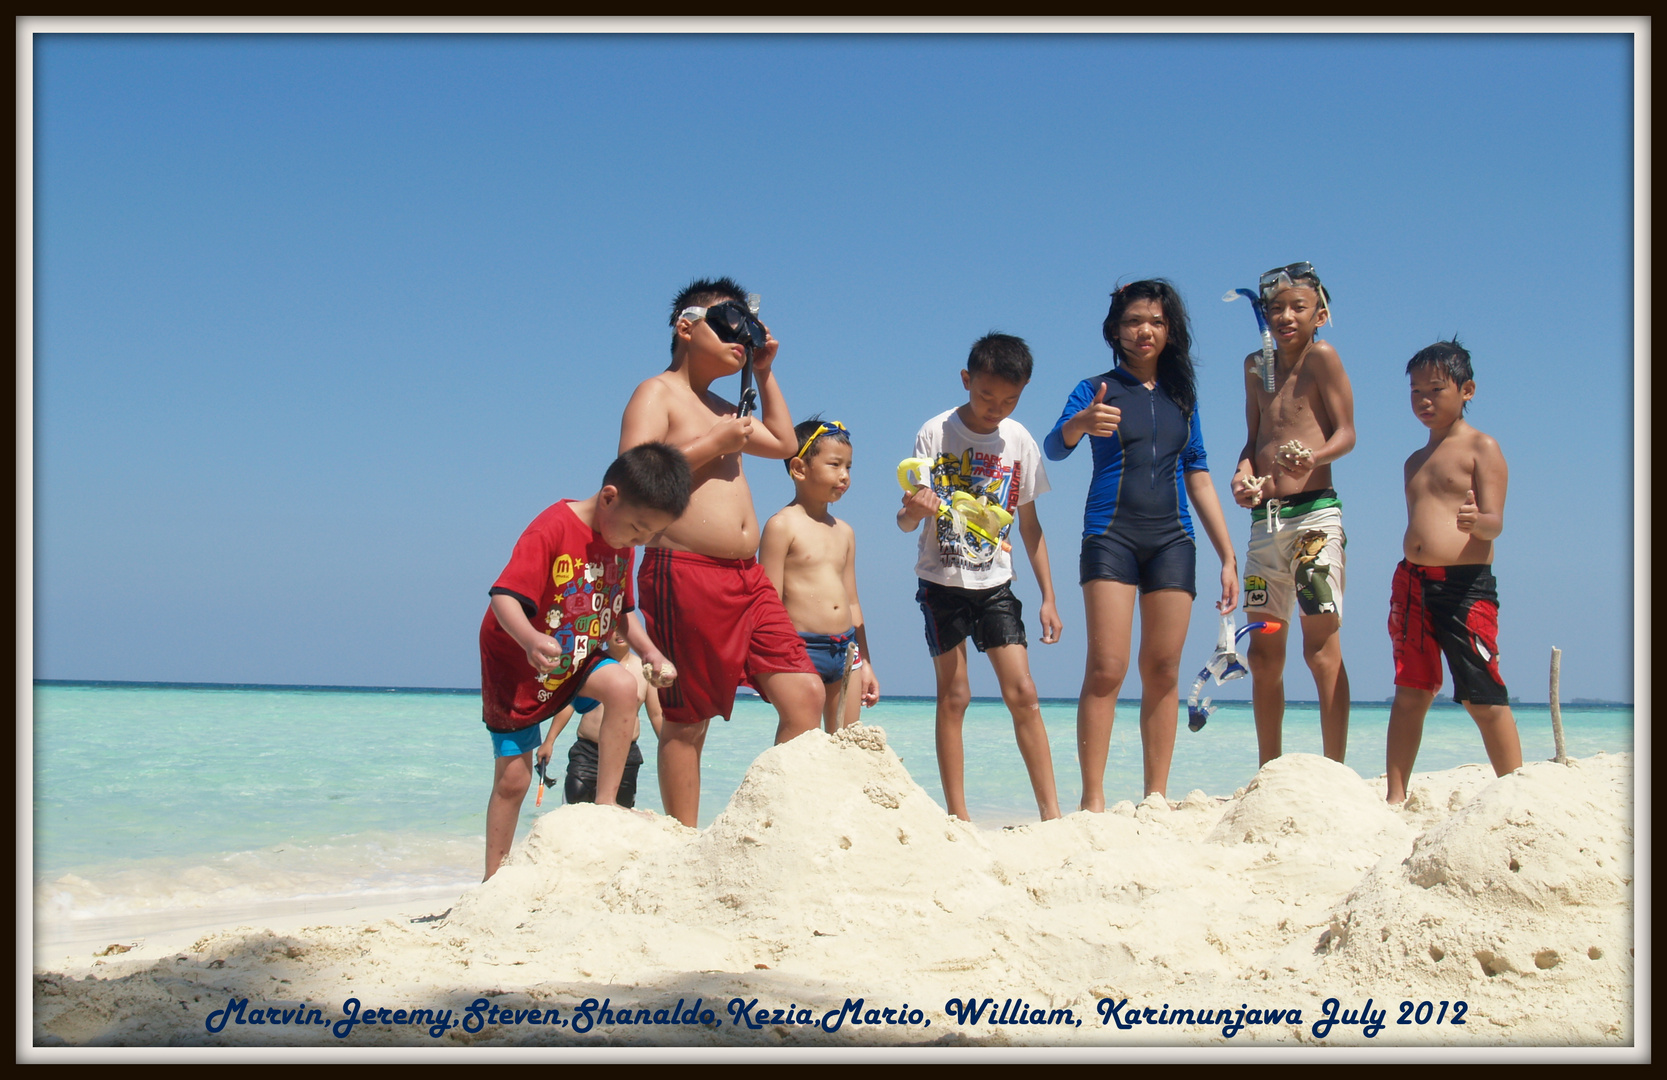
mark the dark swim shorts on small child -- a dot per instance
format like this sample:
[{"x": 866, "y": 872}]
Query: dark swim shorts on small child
[
  {"x": 581, "y": 773},
  {"x": 827, "y": 652}
]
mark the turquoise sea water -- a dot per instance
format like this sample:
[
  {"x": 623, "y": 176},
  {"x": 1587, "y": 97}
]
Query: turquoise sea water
[{"x": 150, "y": 801}]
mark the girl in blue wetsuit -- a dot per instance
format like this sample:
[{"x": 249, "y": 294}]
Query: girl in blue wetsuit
[{"x": 1141, "y": 418}]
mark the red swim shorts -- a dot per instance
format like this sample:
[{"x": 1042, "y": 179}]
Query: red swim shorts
[
  {"x": 717, "y": 620},
  {"x": 1452, "y": 610}
]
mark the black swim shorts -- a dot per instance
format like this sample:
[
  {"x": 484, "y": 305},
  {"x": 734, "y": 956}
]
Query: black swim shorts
[
  {"x": 991, "y": 617},
  {"x": 581, "y": 773}
]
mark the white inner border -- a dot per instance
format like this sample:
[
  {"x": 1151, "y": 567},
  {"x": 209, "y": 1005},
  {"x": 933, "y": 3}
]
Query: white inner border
[{"x": 28, "y": 26}]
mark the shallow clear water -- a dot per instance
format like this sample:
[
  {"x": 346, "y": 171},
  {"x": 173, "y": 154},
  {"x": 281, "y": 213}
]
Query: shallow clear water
[{"x": 152, "y": 799}]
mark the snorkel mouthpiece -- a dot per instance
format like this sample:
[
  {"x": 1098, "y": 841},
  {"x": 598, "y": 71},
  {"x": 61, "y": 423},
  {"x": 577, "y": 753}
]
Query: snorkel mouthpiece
[{"x": 1198, "y": 712}]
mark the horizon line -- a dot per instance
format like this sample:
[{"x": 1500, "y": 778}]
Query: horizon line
[{"x": 383, "y": 689}]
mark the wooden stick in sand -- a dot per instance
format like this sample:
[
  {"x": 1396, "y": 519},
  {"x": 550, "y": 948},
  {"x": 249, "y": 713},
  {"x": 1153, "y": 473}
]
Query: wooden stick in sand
[
  {"x": 844, "y": 685},
  {"x": 1556, "y": 707}
]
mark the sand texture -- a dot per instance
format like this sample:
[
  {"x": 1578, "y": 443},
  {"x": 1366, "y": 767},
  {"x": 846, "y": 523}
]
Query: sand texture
[{"x": 832, "y": 875}]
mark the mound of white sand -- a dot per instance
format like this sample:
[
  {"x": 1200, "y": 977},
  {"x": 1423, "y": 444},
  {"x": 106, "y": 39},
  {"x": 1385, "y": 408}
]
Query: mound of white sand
[
  {"x": 832, "y": 875},
  {"x": 1527, "y": 889}
]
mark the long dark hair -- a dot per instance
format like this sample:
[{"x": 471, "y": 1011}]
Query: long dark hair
[{"x": 1175, "y": 362}]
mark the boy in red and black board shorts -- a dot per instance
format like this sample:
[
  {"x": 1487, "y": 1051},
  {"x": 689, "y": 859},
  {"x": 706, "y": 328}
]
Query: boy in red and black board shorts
[
  {"x": 705, "y": 599},
  {"x": 555, "y": 607},
  {"x": 1444, "y": 599}
]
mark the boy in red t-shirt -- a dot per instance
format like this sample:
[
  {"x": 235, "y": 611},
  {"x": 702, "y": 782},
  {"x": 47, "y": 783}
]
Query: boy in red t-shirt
[{"x": 571, "y": 572}]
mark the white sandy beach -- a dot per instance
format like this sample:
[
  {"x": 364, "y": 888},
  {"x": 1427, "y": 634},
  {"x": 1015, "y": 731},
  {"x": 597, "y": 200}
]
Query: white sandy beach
[{"x": 833, "y": 876}]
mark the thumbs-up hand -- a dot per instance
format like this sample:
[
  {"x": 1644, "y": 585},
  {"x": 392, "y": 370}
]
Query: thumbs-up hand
[
  {"x": 1468, "y": 512},
  {"x": 1098, "y": 418}
]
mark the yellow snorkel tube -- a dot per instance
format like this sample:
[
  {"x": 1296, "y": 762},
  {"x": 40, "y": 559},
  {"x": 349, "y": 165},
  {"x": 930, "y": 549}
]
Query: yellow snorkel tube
[{"x": 977, "y": 514}]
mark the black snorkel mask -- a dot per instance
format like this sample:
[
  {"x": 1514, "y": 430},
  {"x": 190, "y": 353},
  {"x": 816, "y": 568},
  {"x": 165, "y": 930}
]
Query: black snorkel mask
[{"x": 735, "y": 323}]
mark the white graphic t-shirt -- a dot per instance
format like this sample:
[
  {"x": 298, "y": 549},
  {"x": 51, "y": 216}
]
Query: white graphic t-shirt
[{"x": 1005, "y": 468}]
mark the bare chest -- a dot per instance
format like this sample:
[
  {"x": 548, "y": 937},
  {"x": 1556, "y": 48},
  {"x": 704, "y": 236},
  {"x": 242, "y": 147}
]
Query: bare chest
[
  {"x": 1445, "y": 472},
  {"x": 1296, "y": 404},
  {"x": 692, "y": 415},
  {"x": 817, "y": 546}
]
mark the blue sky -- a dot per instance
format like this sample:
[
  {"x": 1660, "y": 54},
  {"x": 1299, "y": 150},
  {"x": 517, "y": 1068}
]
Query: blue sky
[{"x": 321, "y": 322}]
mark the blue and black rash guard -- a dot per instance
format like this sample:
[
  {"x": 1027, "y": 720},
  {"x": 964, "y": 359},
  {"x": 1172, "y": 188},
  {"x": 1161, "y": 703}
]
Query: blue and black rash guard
[{"x": 1139, "y": 488}]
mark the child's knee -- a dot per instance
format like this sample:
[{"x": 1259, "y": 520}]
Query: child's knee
[
  {"x": 1105, "y": 675},
  {"x": 798, "y": 691},
  {"x": 812, "y": 687},
  {"x": 679, "y": 735},
  {"x": 1019, "y": 692},
  {"x": 1267, "y": 659},
  {"x": 1413, "y": 697},
  {"x": 1323, "y": 653},
  {"x": 1491, "y": 717},
  {"x": 956, "y": 697},
  {"x": 512, "y": 784},
  {"x": 613, "y": 685},
  {"x": 1159, "y": 671}
]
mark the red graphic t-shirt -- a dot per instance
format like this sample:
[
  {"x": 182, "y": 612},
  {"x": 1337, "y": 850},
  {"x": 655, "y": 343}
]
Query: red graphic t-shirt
[{"x": 575, "y": 588}]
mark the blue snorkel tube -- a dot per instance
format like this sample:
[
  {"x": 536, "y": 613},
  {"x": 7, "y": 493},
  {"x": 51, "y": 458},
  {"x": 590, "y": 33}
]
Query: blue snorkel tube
[
  {"x": 1267, "y": 365},
  {"x": 1226, "y": 665}
]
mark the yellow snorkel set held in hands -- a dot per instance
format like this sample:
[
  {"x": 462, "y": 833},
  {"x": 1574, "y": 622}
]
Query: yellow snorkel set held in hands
[{"x": 968, "y": 513}]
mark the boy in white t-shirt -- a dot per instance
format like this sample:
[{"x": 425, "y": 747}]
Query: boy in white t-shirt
[{"x": 966, "y": 564}]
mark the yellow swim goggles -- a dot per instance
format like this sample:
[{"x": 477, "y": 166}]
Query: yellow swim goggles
[{"x": 821, "y": 430}]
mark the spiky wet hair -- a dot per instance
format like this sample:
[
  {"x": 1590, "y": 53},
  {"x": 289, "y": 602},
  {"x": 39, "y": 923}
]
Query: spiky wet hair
[{"x": 1448, "y": 357}]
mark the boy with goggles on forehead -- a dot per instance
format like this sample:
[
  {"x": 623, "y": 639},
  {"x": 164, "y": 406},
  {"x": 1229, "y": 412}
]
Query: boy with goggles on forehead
[
  {"x": 1296, "y": 430},
  {"x": 703, "y": 596},
  {"x": 812, "y": 558}
]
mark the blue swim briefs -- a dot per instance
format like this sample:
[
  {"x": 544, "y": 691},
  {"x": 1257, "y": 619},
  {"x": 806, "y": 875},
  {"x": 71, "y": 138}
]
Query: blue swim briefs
[
  {"x": 582, "y": 704},
  {"x": 827, "y": 653}
]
